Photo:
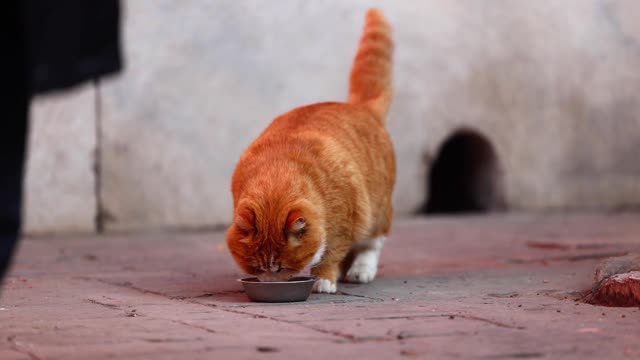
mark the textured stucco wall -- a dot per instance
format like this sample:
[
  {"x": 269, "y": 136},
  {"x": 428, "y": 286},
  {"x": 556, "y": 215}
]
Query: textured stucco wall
[
  {"x": 553, "y": 85},
  {"x": 59, "y": 186}
]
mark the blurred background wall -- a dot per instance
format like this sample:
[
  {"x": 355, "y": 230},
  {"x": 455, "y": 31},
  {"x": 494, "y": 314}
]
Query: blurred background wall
[{"x": 547, "y": 92}]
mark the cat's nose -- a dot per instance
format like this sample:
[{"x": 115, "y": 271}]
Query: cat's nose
[{"x": 274, "y": 268}]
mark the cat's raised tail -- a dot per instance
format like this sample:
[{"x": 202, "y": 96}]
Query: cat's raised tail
[{"x": 370, "y": 82}]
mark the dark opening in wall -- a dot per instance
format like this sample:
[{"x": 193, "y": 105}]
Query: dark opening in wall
[{"x": 464, "y": 177}]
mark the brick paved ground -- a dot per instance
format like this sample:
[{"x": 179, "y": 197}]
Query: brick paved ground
[{"x": 497, "y": 287}]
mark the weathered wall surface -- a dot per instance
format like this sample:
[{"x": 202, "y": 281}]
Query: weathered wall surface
[
  {"x": 59, "y": 187},
  {"x": 552, "y": 85}
]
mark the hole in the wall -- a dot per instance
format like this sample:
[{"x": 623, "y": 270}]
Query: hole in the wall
[{"x": 465, "y": 176}]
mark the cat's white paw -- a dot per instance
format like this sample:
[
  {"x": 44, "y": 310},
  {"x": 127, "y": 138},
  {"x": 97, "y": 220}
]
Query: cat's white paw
[
  {"x": 363, "y": 271},
  {"x": 365, "y": 265},
  {"x": 324, "y": 286}
]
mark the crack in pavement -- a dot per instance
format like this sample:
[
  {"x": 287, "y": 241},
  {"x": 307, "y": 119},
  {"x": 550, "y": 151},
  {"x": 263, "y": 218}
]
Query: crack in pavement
[
  {"x": 489, "y": 321},
  {"x": 127, "y": 313},
  {"x": 108, "y": 306},
  {"x": 361, "y": 339},
  {"x": 570, "y": 258},
  {"x": 359, "y": 296},
  {"x": 343, "y": 337},
  {"x": 424, "y": 316},
  {"x": 518, "y": 355},
  {"x": 15, "y": 346},
  {"x": 182, "y": 322},
  {"x": 130, "y": 286},
  {"x": 407, "y": 317},
  {"x": 169, "y": 340}
]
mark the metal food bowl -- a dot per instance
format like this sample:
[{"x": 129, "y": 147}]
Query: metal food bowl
[{"x": 296, "y": 289}]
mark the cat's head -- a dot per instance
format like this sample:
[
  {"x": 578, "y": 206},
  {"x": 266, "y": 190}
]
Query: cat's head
[{"x": 275, "y": 244}]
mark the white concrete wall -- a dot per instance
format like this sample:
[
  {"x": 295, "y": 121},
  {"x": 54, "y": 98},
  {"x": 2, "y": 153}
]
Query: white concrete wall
[
  {"x": 59, "y": 186},
  {"x": 552, "y": 84}
]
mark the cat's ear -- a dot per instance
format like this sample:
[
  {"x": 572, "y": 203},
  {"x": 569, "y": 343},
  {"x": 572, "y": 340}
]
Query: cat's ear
[
  {"x": 245, "y": 219},
  {"x": 296, "y": 223}
]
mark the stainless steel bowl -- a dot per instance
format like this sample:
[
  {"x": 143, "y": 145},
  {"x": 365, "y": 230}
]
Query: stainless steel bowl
[{"x": 296, "y": 289}]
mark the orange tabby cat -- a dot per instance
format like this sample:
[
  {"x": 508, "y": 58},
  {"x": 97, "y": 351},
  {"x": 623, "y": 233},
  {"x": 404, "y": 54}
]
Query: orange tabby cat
[{"x": 315, "y": 188}]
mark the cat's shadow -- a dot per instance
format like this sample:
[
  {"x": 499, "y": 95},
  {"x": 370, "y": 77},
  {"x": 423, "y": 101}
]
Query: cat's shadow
[{"x": 216, "y": 290}]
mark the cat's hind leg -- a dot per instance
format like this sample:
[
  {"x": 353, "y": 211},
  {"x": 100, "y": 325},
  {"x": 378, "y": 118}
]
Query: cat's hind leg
[{"x": 364, "y": 267}]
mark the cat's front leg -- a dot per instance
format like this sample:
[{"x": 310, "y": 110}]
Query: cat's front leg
[{"x": 327, "y": 274}]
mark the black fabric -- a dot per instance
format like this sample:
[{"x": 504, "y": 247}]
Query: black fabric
[
  {"x": 13, "y": 135},
  {"x": 14, "y": 106},
  {"x": 71, "y": 41},
  {"x": 47, "y": 45}
]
